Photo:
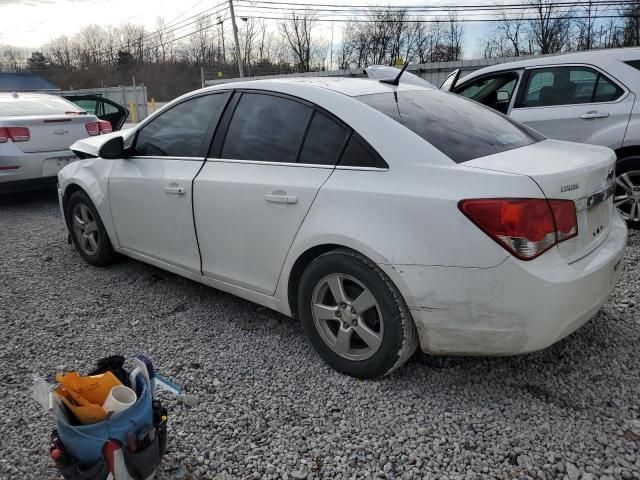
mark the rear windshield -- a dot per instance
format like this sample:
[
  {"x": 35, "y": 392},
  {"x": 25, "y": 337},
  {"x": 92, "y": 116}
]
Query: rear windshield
[
  {"x": 27, "y": 105},
  {"x": 459, "y": 128}
]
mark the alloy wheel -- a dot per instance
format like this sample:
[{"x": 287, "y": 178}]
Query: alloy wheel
[
  {"x": 85, "y": 228},
  {"x": 347, "y": 316},
  {"x": 627, "y": 196}
]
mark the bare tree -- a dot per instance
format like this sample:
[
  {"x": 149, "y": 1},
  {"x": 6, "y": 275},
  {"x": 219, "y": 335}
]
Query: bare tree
[
  {"x": 297, "y": 33},
  {"x": 511, "y": 29},
  {"x": 453, "y": 38},
  {"x": 587, "y": 34},
  {"x": 550, "y": 26},
  {"x": 630, "y": 27},
  {"x": 59, "y": 52}
]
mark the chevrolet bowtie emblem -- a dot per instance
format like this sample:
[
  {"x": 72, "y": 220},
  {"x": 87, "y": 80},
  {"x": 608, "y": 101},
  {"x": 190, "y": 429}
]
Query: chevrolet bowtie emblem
[{"x": 61, "y": 131}]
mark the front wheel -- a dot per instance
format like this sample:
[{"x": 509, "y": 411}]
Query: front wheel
[
  {"x": 354, "y": 316},
  {"x": 627, "y": 194},
  {"x": 87, "y": 231}
]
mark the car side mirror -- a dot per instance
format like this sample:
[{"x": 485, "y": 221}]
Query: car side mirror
[
  {"x": 112, "y": 148},
  {"x": 502, "y": 96}
]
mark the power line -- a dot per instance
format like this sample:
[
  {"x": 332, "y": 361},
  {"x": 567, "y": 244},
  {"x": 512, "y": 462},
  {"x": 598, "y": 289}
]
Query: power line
[
  {"x": 446, "y": 20},
  {"x": 566, "y": 3},
  {"x": 377, "y": 16}
]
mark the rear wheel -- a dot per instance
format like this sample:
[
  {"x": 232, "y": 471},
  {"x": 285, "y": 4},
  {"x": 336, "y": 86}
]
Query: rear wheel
[
  {"x": 87, "y": 231},
  {"x": 354, "y": 316},
  {"x": 627, "y": 194}
]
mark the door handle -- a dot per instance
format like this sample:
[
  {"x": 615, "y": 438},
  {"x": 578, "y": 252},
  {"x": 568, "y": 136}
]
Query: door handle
[
  {"x": 174, "y": 190},
  {"x": 280, "y": 198},
  {"x": 594, "y": 114}
]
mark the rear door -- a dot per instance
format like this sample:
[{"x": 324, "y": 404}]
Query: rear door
[
  {"x": 150, "y": 193},
  {"x": 577, "y": 103},
  {"x": 258, "y": 185}
]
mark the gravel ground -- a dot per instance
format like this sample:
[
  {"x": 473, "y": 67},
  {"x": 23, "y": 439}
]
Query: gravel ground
[{"x": 263, "y": 405}]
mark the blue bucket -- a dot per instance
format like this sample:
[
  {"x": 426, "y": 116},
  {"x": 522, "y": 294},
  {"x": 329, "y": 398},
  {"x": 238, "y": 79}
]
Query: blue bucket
[{"x": 85, "y": 442}]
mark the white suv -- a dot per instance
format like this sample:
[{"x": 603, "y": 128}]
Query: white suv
[{"x": 587, "y": 97}]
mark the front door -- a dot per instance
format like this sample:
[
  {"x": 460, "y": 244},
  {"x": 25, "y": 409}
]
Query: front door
[
  {"x": 574, "y": 103},
  {"x": 252, "y": 196},
  {"x": 151, "y": 194}
]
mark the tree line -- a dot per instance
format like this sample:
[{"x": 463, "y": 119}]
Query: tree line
[{"x": 169, "y": 62}]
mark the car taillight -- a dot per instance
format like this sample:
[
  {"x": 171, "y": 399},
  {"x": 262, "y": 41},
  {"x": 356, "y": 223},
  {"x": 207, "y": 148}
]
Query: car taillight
[
  {"x": 105, "y": 126},
  {"x": 93, "y": 128},
  {"x": 526, "y": 227},
  {"x": 17, "y": 134}
]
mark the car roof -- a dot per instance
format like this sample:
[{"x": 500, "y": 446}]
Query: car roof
[
  {"x": 591, "y": 57},
  {"x": 351, "y": 87}
]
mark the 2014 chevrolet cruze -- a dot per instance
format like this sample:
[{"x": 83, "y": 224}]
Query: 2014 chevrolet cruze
[{"x": 384, "y": 216}]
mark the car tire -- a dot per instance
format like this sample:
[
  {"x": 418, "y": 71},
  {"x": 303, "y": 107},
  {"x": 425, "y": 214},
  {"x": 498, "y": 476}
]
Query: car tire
[
  {"x": 627, "y": 193},
  {"x": 87, "y": 230},
  {"x": 354, "y": 316}
]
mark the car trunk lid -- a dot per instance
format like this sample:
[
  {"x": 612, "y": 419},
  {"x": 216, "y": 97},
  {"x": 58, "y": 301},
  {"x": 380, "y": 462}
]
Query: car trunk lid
[
  {"x": 49, "y": 132},
  {"x": 563, "y": 170}
]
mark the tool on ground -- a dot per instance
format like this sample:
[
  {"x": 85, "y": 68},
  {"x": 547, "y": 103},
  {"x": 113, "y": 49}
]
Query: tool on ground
[{"x": 125, "y": 444}]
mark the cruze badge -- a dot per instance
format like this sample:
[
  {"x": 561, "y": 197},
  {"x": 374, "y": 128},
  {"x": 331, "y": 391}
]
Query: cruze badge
[{"x": 569, "y": 187}]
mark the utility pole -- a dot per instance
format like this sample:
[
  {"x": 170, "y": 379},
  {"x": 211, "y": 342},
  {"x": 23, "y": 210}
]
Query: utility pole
[
  {"x": 235, "y": 38},
  {"x": 331, "y": 54}
]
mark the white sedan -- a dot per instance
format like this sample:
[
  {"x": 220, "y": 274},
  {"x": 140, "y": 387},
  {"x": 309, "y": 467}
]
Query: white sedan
[
  {"x": 383, "y": 216},
  {"x": 36, "y": 130}
]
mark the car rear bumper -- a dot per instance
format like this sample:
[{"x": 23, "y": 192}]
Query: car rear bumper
[
  {"x": 515, "y": 307},
  {"x": 32, "y": 166}
]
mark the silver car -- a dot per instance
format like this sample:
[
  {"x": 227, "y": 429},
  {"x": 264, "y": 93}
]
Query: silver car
[
  {"x": 36, "y": 130},
  {"x": 587, "y": 97}
]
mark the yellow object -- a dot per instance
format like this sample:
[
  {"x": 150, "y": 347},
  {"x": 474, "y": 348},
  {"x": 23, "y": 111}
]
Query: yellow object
[
  {"x": 93, "y": 388},
  {"x": 132, "y": 109},
  {"x": 83, "y": 410},
  {"x": 153, "y": 104}
]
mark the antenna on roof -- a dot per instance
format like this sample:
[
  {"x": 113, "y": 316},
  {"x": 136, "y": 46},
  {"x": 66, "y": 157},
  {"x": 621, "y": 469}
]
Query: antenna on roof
[{"x": 396, "y": 81}]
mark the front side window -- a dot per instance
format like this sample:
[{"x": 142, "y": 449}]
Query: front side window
[
  {"x": 567, "y": 86},
  {"x": 494, "y": 92},
  {"x": 461, "y": 129},
  {"x": 182, "y": 130},
  {"x": 266, "y": 128},
  {"x": 88, "y": 105}
]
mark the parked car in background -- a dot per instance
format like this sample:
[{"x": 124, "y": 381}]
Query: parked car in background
[
  {"x": 103, "y": 108},
  {"x": 36, "y": 130},
  {"x": 588, "y": 97},
  {"x": 382, "y": 216}
]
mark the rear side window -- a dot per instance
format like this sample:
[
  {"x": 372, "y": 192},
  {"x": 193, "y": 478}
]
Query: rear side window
[
  {"x": 567, "y": 86},
  {"x": 266, "y": 128},
  {"x": 40, "y": 105},
  {"x": 356, "y": 154},
  {"x": 459, "y": 128},
  {"x": 324, "y": 141},
  {"x": 182, "y": 130}
]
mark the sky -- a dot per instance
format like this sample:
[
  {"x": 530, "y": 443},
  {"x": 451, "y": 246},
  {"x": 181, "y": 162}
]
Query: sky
[{"x": 32, "y": 23}]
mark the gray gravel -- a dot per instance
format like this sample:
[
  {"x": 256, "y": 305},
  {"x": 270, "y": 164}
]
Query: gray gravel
[{"x": 263, "y": 405}]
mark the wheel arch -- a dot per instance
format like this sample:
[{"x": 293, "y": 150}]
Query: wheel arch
[
  {"x": 628, "y": 151},
  {"x": 308, "y": 255}
]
